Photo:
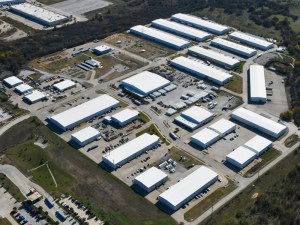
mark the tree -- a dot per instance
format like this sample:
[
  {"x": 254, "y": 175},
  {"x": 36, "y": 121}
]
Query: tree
[{"x": 287, "y": 115}]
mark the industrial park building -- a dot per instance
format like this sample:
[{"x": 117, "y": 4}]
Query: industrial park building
[
  {"x": 223, "y": 127},
  {"x": 10, "y": 2},
  {"x": 186, "y": 189},
  {"x": 258, "y": 145},
  {"x": 205, "y": 138},
  {"x": 23, "y": 89},
  {"x": 38, "y": 14},
  {"x": 64, "y": 85},
  {"x": 257, "y": 85},
  {"x": 144, "y": 83},
  {"x": 34, "y": 97},
  {"x": 214, "y": 57},
  {"x": 259, "y": 122},
  {"x": 84, "y": 112},
  {"x": 101, "y": 50},
  {"x": 194, "y": 117},
  {"x": 125, "y": 117},
  {"x": 130, "y": 150},
  {"x": 160, "y": 37},
  {"x": 200, "y": 23},
  {"x": 182, "y": 30},
  {"x": 150, "y": 179},
  {"x": 85, "y": 136},
  {"x": 201, "y": 70},
  {"x": 255, "y": 42},
  {"x": 233, "y": 47},
  {"x": 12, "y": 81},
  {"x": 241, "y": 157}
]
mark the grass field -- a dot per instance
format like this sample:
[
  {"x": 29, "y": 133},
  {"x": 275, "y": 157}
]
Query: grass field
[
  {"x": 11, "y": 188},
  {"x": 83, "y": 179},
  {"x": 271, "y": 191},
  {"x": 143, "y": 117},
  {"x": 267, "y": 157},
  {"x": 239, "y": 69},
  {"x": 210, "y": 200},
  {"x": 236, "y": 85},
  {"x": 291, "y": 140},
  {"x": 18, "y": 25},
  {"x": 189, "y": 160}
]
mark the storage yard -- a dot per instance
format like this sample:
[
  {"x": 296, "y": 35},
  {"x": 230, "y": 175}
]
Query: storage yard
[{"x": 150, "y": 107}]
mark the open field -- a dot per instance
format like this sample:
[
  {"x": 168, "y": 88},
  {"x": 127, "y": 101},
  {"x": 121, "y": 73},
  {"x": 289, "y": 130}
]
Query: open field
[
  {"x": 236, "y": 85},
  {"x": 88, "y": 182},
  {"x": 11, "y": 188},
  {"x": 267, "y": 200},
  {"x": 210, "y": 200}
]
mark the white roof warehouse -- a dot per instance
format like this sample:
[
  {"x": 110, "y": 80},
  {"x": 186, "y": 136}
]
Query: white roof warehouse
[
  {"x": 251, "y": 40},
  {"x": 160, "y": 37},
  {"x": 186, "y": 189},
  {"x": 200, "y": 23},
  {"x": 145, "y": 83},
  {"x": 85, "y": 136},
  {"x": 200, "y": 70},
  {"x": 84, "y": 112},
  {"x": 258, "y": 91},
  {"x": 130, "y": 150},
  {"x": 64, "y": 85},
  {"x": 259, "y": 122},
  {"x": 12, "y": 81},
  {"x": 180, "y": 29},
  {"x": 213, "y": 56}
]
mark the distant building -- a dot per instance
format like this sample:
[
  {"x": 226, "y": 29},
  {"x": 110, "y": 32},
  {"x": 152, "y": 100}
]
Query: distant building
[
  {"x": 257, "y": 84},
  {"x": 125, "y": 117},
  {"x": 160, "y": 37},
  {"x": 39, "y": 14},
  {"x": 12, "y": 81},
  {"x": 205, "y": 138},
  {"x": 200, "y": 23},
  {"x": 241, "y": 157},
  {"x": 34, "y": 97},
  {"x": 64, "y": 85},
  {"x": 101, "y": 50},
  {"x": 23, "y": 89}
]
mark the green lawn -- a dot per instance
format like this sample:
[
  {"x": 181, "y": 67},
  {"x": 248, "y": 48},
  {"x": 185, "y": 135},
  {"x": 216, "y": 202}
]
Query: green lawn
[
  {"x": 143, "y": 117},
  {"x": 11, "y": 188},
  {"x": 236, "y": 85},
  {"x": 239, "y": 69},
  {"x": 76, "y": 175},
  {"x": 291, "y": 140},
  {"x": 189, "y": 160},
  {"x": 209, "y": 201}
]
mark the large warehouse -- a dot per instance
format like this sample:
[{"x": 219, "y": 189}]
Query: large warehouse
[
  {"x": 194, "y": 117},
  {"x": 201, "y": 70},
  {"x": 186, "y": 189},
  {"x": 23, "y": 89},
  {"x": 101, "y": 50},
  {"x": 233, "y": 47},
  {"x": 144, "y": 83},
  {"x": 10, "y": 2},
  {"x": 38, "y": 14},
  {"x": 259, "y": 122},
  {"x": 200, "y": 23},
  {"x": 180, "y": 29},
  {"x": 34, "y": 97},
  {"x": 223, "y": 127},
  {"x": 125, "y": 117},
  {"x": 214, "y": 57},
  {"x": 84, "y": 112},
  {"x": 258, "y": 145},
  {"x": 130, "y": 150},
  {"x": 257, "y": 85},
  {"x": 85, "y": 136},
  {"x": 64, "y": 85},
  {"x": 12, "y": 81},
  {"x": 150, "y": 179},
  {"x": 255, "y": 42},
  {"x": 160, "y": 37},
  {"x": 241, "y": 157},
  {"x": 205, "y": 138}
]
